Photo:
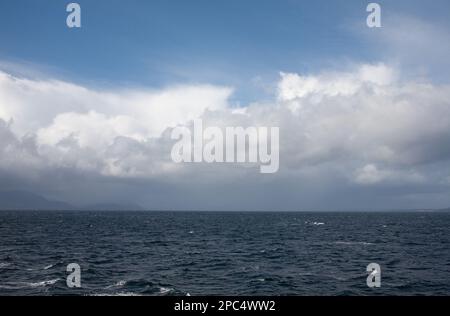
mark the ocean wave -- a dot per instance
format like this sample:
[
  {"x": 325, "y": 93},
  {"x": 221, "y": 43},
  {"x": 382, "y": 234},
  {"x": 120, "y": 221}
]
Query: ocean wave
[
  {"x": 165, "y": 290},
  {"x": 44, "y": 283},
  {"x": 127, "y": 294},
  {"x": 350, "y": 243},
  {"x": 24, "y": 285},
  {"x": 315, "y": 223},
  {"x": 53, "y": 265},
  {"x": 120, "y": 283},
  {"x": 140, "y": 286},
  {"x": 4, "y": 265},
  {"x": 116, "y": 294}
]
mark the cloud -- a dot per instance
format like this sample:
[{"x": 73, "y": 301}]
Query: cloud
[
  {"x": 74, "y": 126},
  {"x": 371, "y": 174},
  {"x": 353, "y": 130},
  {"x": 35, "y": 104},
  {"x": 295, "y": 87},
  {"x": 19, "y": 156}
]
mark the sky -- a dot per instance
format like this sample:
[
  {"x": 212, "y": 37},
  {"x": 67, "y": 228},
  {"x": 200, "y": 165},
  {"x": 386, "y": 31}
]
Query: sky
[{"x": 364, "y": 113}]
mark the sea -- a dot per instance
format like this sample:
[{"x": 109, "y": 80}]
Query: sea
[{"x": 223, "y": 253}]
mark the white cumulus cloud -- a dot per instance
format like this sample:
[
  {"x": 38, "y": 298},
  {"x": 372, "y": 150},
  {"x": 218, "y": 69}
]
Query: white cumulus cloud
[{"x": 364, "y": 126}]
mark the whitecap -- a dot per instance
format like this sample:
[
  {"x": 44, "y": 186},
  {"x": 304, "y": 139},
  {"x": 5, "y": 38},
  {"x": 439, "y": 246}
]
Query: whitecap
[
  {"x": 127, "y": 294},
  {"x": 165, "y": 290},
  {"x": 116, "y": 294},
  {"x": 44, "y": 283},
  {"x": 117, "y": 284},
  {"x": 121, "y": 283},
  {"x": 23, "y": 285}
]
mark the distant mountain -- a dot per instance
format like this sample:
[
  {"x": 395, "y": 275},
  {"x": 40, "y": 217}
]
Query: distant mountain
[{"x": 21, "y": 200}]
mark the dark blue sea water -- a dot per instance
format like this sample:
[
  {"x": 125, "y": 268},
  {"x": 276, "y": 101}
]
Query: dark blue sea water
[{"x": 169, "y": 253}]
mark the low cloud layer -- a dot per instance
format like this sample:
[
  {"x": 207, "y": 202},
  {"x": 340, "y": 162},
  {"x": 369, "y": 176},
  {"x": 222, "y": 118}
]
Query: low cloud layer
[{"x": 358, "y": 138}]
